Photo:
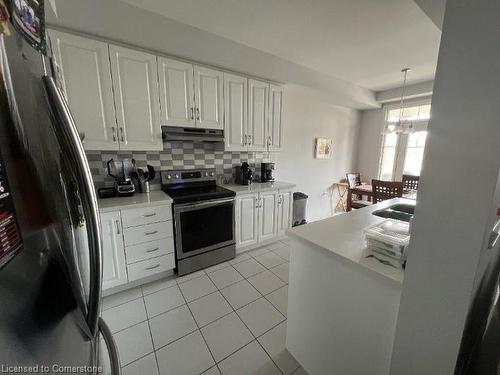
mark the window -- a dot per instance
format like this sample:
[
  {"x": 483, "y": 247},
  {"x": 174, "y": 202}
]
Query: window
[
  {"x": 403, "y": 153},
  {"x": 388, "y": 156},
  {"x": 415, "y": 153}
]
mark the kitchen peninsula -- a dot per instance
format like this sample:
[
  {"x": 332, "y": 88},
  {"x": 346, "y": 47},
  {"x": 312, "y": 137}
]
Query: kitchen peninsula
[{"x": 343, "y": 306}]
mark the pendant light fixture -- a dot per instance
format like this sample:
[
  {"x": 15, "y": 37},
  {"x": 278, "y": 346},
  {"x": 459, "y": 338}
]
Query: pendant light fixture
[{"x": 400, "y": 126}]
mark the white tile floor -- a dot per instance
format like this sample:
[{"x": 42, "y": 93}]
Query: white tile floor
[{"x": 228, "y": 319}]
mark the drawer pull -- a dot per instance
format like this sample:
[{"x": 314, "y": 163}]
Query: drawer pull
[
  {"x": 153, "y": 250},
  {"x": 150, "y": 215},
  {"x": 150, "y": 233},
  {"x": 153, "y": 267}
]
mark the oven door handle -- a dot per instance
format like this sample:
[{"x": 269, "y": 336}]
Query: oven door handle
[{"x": 204, "y": 203}]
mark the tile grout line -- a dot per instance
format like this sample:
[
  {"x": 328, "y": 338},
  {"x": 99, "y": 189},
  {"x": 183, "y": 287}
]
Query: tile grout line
[
  {"x": 255, "y": 338},
  {"x": 201, "y": 333},
  {"x": 151, "y": 336}
]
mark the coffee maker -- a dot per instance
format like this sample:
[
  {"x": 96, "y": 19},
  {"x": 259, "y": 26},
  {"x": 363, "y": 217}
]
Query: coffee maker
[
  {"x": 243, "y": 175},
  {"x": 266, "y": 172}
]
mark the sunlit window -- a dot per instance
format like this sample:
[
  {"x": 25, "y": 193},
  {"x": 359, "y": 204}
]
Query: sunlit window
[
  {"x": 403, "y": 153},
  {"x": 419, "y": 112},
  {"x": 415, "y": 153},
  {"x": 388, "y": 156}
]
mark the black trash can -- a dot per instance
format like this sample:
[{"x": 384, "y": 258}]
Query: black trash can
[{"x": 299, "y": 208}]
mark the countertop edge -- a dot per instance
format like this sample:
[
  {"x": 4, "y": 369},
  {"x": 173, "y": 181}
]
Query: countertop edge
[{"x": 259, "y": 187}]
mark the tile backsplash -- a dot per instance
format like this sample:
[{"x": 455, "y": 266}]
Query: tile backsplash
[{"x": 175, "y": 155}]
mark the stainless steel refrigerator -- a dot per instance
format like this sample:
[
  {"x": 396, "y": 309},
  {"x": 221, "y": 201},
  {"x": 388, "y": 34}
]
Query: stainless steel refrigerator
[{"x": 50, "y": 242}]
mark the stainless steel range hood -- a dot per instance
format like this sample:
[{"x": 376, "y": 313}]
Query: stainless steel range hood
[{"x": 174, "y": 133}]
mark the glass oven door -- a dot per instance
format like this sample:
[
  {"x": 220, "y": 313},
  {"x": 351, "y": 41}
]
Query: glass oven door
[{"x": 203, "y": 226}]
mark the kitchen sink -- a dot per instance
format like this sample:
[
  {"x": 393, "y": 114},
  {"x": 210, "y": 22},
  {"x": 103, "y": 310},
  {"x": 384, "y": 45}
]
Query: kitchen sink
[{"x": 403, "y": 212}]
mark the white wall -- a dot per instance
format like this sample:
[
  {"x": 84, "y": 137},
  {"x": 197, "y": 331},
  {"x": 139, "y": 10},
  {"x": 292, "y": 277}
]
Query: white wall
[
  {"x": 305, "y": 118},
  {"x": 455, "y": 207},
  {"x": 369, "y": 143}
]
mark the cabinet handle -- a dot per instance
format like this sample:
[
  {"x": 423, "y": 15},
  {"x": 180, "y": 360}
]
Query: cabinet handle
[
  {"x": 153, "y": 267},
  {"x": 150, "y": 233},
  {"x": 113, "y": 130},
  {"x": 82, "y": 136},
  {"x": 249, "y": 140},
  {"x": 117, "y": 227},
  {"x": 197, "y": 114},
  {"x": 245, "y": 139},
  {"x": 192, "y": 113},
  {"x": 269, "y": 143},
  {"x": 149, "y": 215},
  {"x": 122, "y": 136},
  {"x": 153, "y": 250}
]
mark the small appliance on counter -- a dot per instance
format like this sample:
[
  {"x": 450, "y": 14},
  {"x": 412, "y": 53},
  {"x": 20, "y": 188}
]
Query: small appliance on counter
[
  {"x": 122, "y": 171},
  {"x": 266, "y": 172},
  {"x": 243, "y": 174}
]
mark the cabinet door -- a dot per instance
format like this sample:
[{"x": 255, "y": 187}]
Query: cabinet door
[
  {"x": 137, "y": 99},
  {"x": 176, "y": 92},
  {"x": 275, "y": 137},
  {"x": 83, "y": 73},
  {"x": 284, "y": 211},
  {"x": 235, "y": 112},
  {"x": 258, "y": 101},
  {"x": 113, "y": 262},
  {"x": 209, "y": 98},
  {"x": 268, "y": 225},
  {"x": 246, "y": 220}
]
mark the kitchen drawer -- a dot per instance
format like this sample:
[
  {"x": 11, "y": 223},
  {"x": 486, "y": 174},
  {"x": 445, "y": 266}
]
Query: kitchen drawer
[
  {"x": 147, "y": 250},
  {"x": 146, "y": 233},
  {"x": 140, "y": 216},
  {"x": 150, "y": 267}
]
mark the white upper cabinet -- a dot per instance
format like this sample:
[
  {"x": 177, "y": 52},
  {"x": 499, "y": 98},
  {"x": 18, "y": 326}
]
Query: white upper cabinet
[
  {"x": 275, "y": 136},
  {"x": 83, "y": 73},
  {"x": 235, "y": 109},
  {"x": 208, "y": 97},
  {"x": 176, "y": 92},
  {"x": 258, "y": 101},
  {"x": 137, "y": 102}
]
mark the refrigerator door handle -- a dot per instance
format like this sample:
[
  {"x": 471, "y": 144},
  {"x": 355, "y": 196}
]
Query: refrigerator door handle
[
  {"x": 114, "y": 357},
  {"x": 73, "y": 145}
]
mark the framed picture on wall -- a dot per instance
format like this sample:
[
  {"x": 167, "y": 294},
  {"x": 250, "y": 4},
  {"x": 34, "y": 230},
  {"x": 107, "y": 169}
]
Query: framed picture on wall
[{"x": 324, "y": 148}]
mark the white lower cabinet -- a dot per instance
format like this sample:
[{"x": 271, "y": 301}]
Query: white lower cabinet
[
  {"x": 268, "y": 208},
  {"x": 261, "y": 217},
  {"x": 285, "y": 206},
  {"x": 247, "y": 208},
  {"x": 114, "y": 263},
  {"x": 136, "y": 250}
]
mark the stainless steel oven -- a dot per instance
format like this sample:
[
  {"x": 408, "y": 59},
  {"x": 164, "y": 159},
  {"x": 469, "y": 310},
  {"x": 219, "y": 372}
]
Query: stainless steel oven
[
  {"x": 203, "y": 226},
  {"x": 203, "y": 215}
]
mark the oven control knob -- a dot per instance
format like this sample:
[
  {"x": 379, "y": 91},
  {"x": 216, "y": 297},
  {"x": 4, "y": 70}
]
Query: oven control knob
[
  {"x": 168, "y": 177},
  {"x": 211, "y": 174},
  {"x": 206, "y": 174},
  {"x": 176, "y": 176}
]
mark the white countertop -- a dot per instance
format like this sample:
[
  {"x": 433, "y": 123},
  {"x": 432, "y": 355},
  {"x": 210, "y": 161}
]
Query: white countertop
[
  {"x": 137, "y": 200},
  {"x": 343, "y": 236},
  {"x": 256, "y": 187}
]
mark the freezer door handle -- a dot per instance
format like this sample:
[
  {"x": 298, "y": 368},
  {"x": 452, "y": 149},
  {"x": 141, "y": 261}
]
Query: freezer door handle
[
  {"x": 72, "y": 145},
  {"x": 114, "y": 357}
]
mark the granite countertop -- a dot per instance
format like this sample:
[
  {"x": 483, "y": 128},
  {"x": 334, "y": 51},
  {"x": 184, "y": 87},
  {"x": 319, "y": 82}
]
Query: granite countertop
[
  {"x": 137, "y": 200},
  {"x": 343, "y": 236},
  {"x": 256, "y": 187}
]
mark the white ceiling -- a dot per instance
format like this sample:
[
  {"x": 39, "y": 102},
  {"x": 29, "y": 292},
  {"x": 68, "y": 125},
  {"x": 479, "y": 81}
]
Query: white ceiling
[{"x": 365, "y": 42}]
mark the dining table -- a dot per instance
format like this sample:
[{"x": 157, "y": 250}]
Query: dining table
[{"x": 366, "y": 190}]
